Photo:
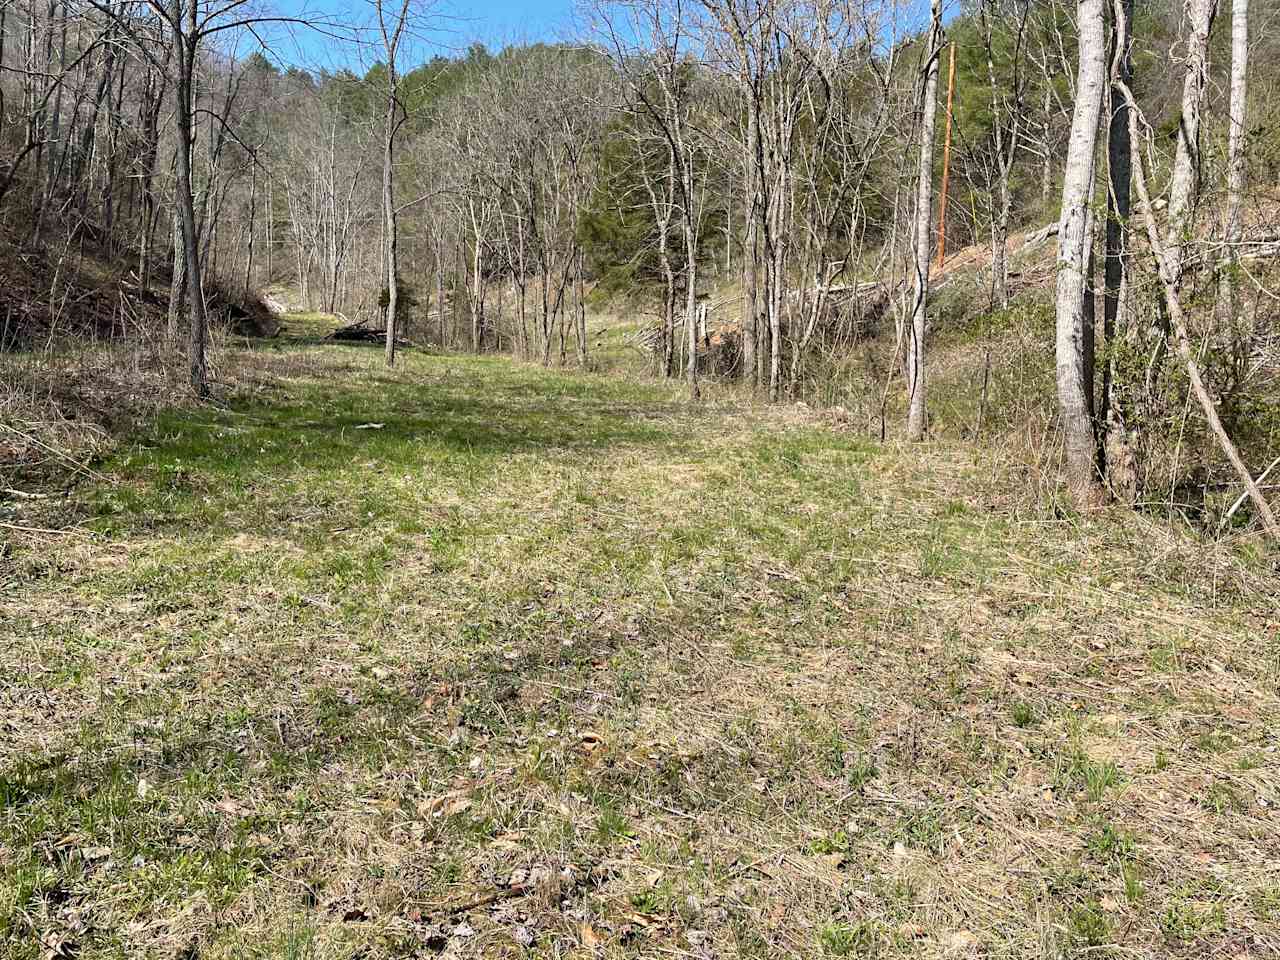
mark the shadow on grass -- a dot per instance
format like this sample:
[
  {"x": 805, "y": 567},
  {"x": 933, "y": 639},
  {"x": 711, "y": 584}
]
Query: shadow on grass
[{"x": 459, "y": 418}]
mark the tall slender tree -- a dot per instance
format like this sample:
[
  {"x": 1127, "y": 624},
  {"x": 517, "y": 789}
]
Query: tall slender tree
[
  {"x": 1237, "y": 133},
  {"x": 1114, "y": 447},
  {"x": 392, "y": 23},
  {"x": 917, "y": 412},
  {"x": 1075, "y": 403}
]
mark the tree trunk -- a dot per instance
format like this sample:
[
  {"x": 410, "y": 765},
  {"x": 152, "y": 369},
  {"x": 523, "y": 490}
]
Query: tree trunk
[
  {"x": 999, "y": 251},
  {"x": 186, "y": 199},
  {"x": 916, "y": 416},
  {"x": 477, "y": 290},
  {"x": 177, "y": 284},
  {"x": 1236, "y": 170},
  {"x": 253, "y": 211},
  {"x": 750, "y": 253},
  {"x": 1073, "y": 375},
  {"x": 691, "y": 292},
  {"x": 389, "y": 218},
  {"x": 1184, "y": 181},
  {"x": 1046, "y": 167},
  {"x": 1115, "y": 451},
  {"x": 581, "y": 303}
]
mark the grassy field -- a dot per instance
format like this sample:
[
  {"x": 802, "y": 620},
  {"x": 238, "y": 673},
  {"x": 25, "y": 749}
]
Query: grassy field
[{"x": 477, "y": 659}]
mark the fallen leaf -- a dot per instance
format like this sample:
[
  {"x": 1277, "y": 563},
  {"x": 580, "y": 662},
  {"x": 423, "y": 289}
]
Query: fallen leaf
[
  {"x": 589, "y": 936},
  {"x": 964, "y": 940},
  {"x": 455, "y": 806},
  {"x": 453, "y": 802}
]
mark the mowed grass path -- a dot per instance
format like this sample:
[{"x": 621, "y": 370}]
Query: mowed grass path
[{"x": 476, "y": 659}]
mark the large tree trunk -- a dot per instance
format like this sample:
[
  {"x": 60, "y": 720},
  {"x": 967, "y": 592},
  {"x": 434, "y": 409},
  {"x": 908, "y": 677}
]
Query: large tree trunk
[
  {"x": 916, "y": 415},
  {"x": 1074, "y": 402}
]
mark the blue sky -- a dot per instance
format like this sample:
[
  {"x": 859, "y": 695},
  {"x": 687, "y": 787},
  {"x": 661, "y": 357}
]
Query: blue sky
[{"x": 452, "y": 27}]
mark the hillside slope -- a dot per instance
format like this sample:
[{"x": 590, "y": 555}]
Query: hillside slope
[{"x": 476, "y": 658}]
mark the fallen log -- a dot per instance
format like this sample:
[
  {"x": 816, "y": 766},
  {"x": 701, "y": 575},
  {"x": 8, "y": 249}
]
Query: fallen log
[
  {"x": 359, "y": 333},
  {"x": 1037, "y": 238}
]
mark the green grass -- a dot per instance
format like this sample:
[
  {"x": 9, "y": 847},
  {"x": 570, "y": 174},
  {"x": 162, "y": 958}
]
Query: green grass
[
  {"x": 306, "y": 325},
  {"x": 316, "y": 671}
]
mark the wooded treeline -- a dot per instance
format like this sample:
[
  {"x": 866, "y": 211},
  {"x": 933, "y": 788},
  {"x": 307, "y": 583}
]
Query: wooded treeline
[{"x": 781, "y": 157}]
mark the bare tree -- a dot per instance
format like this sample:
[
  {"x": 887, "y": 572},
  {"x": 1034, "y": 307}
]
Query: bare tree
[
  {"x": 1075, "y": 402},
  {"x": 923, "y": 252},
  {"x": 1184, "y": 180},
  {"x": 392, "y": 23},
  {"x": 1114, "y": 450},
  {"x": 649, "y": 41},
  {"x": 1236, "y": 159},
  {"x": 1008, "y": 107},
  {"x": 189, "y": 26},
  {"x": 1169, "y": 273}
]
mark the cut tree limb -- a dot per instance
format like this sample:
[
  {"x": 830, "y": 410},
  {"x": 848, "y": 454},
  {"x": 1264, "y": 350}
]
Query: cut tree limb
[
  {"x": 1039, "y": 237},
  {"x": 1168, "y": 272},
  {"x": 1245, "y": 496}
]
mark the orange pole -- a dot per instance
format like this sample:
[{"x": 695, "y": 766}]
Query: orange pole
[{"x": 946, "y": 161}]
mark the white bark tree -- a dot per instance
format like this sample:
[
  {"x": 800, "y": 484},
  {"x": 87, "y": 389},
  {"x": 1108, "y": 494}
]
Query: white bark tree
[
  {"x": 917, "y": 415},
  {"x": 1237, "y": 132},
  {"x": 1075, "y": 402}
]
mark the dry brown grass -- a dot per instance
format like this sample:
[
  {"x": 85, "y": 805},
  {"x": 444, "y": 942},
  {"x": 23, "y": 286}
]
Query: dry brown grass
[{"x": 558, "y": 666}]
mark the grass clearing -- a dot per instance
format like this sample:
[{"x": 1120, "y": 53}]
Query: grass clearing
[{"x": 476, "y": 658}]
